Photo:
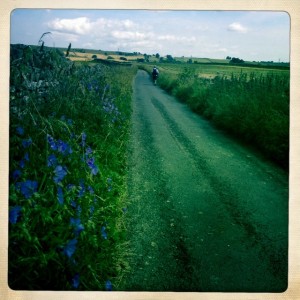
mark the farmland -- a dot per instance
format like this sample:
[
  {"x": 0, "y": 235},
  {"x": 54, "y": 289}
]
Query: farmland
[{"x": 70, "y": 124}]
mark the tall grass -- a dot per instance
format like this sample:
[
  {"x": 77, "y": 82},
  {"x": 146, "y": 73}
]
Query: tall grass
[
  {"x": 251, "y": 106},
  {"x": 68, "y": 137}
]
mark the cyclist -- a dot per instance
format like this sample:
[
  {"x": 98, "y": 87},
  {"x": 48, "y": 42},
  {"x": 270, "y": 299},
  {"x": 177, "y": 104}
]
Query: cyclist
[{"x": 155, "y": 74}]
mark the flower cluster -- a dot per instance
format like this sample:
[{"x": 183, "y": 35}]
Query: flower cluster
[{"x": 59, "y": 145}]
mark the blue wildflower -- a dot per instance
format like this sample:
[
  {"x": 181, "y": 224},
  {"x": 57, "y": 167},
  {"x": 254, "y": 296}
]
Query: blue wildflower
[
  {"x": 70, "y": 248},
  {"x": 70, "y": 122},
  {"x": 63, "y": 147},
  {"x": 52, "y": 160},
  {"x": 91, "y": 190},
  {"x": 60, "y": 195},
  {"x": 27, "y": 188},
  {"x": 92, "y": 209},
  {"x": 83, "y": 139},
  {"x": 16, "y": 174},
  {"x": 88, "y": 151},
  {"x": 103, "y": 232},
  {"x": 51, "y": 142},
  {"x": 76, "y": 281},
  {"x": 77, "y": 225},
  {"x": 14, "y": 214},
  {"x": 91, "y": 163},
  {"x": 81, "y": 189},
  {"x": 20, "y": 130},
  {"x": 63, "y": 117},
  {"x": 60, "y": 172},
  {"x": 26, "y": 156},
  {"x": 70, "y": 186},
  {"x": 79, "y": 210},
  {"x": 108, "y": 285},
  {"x": 73, "y": 203},
  {"x": 27, "y": 143},
  {"x": 124, "y": 209},
  {"x": 89, "y": 86},
  {"x": 22, "y": 163}
]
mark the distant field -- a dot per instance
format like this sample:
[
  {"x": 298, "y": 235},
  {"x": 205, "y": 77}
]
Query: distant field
[
  {"x": 87, "y": 56},
  {"x": 210, "y": 71}
]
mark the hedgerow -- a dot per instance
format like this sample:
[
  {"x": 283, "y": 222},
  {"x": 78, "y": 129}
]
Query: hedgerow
[
  {"x": 68, "y": 137},
  {"x": 251, "y": 106}
]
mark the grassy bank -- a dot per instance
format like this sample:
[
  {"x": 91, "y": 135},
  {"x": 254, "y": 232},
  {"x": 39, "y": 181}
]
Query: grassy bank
[
  {"x": 68, "y": 138},
  {"x": 253, "y": 106}
]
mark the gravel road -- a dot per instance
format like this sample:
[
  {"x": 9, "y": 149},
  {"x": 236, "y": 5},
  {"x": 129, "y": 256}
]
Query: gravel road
[{"x": 205, "y": 212}]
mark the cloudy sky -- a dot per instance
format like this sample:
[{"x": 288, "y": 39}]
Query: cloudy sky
[{"x": 249, "y": 35}]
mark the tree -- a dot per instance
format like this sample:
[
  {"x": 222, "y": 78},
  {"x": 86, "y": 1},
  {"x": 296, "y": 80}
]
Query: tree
[
  {"x": 157, "y": 55},
  {"x": 94, "y": 56},
  {"x": 170, "y": 58}
]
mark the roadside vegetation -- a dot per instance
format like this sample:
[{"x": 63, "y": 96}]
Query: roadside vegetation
[
  {"x": 67, "y": 194},
  {"x": 250, "y": 103}
]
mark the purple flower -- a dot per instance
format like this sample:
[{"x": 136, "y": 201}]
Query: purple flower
[
  {"x": 27, "y": 143},
  {"x": 70, "y": 248},
  {"x": 60, "y": 172},
  {"x": 78, "y": 227},
  {"x": 103, "y": 232},
  {"x": 16, "y": 174},
  {"x": 76, "y": 281},
  {"x": 27, "y": 188},
  {"x": 108, "y": 285},
  {"x": 60, "y": 195},
  {"x": 20, "y": 130},
  {"x": 52, "y": 160},
  {"x": 14, "y": 214}
]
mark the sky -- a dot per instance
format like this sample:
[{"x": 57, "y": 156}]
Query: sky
[{"x": 248, "y": 35}]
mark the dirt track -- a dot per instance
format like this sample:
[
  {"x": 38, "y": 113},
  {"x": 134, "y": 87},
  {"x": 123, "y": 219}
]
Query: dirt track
[{"x": 205, "y": 213}]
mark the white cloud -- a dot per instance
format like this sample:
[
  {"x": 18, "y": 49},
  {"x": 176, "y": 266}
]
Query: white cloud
[
  {"x": 128, "y": 35},
  {"x": 237, "y": 27},
  {"x": 76, "y": 26},
  {"x": 65, "y": 37}
]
